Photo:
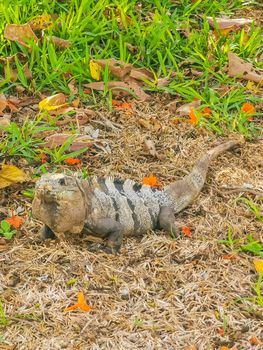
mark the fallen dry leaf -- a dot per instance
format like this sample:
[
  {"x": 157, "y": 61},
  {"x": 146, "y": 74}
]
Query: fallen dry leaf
[
  {"x": 3, "y": 103},
  {"x": 59, "y": 42},
  {"x": 226, "y": 23},
  {"x": 10, "y": 174},
  {"x": 163, "y": 82},
  {"x": 172, "y": 106},
  {"x": 13, "y": 104},
  {"x": 22, "y": 33},
  {"x": 145, "y": 123},
  {"x": 120, "y": 88},
  {"x": 75, "y": 103},
  {"x": 150, "y": 146},
  {"x": 78, "y": 143},
  {"x": 141, "y": 74},
  {"x": 73, "y": 88},
  {"x": 118, "y": 68},
  {"x": 11, "y": 68},
  {"x": 53, "y": 103},
  {"x": 5, "y": 120},
  {"x": 2, "y": 242},
  {"x": 133, "y": 49},
  {"x": 150, "y": 124},
  {"x": 122, "y": 19},
  {"x": 81, "y": 117},
  {"x": 185, "y": 109},
  {"x": 242, "y": 69},
  {"x": 95, "y": 70}
]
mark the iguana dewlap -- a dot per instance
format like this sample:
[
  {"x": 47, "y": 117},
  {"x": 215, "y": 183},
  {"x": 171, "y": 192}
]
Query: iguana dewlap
[{"x": 110, "y": 208}]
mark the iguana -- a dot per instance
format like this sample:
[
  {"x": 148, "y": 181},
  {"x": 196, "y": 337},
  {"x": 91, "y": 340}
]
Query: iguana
[{"x": 111, "y": 209}]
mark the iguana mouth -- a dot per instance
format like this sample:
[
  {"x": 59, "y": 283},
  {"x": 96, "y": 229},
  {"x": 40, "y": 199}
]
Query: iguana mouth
[{"x": 46, "y": 195}]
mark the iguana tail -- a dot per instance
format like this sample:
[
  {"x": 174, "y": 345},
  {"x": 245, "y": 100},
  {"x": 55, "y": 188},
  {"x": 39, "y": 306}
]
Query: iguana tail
[{"x": 184, "y": 191}]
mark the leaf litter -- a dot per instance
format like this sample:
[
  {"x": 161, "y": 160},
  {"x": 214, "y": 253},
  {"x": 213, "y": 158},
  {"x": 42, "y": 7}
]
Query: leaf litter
[{"x": 175, "y": 287}]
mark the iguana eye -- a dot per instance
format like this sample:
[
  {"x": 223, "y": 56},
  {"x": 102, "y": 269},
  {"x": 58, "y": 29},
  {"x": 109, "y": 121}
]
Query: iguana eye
[{"x": 62, "y": 181}]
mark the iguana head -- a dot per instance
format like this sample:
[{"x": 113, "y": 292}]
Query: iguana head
[{"x": 59, "y": 203}]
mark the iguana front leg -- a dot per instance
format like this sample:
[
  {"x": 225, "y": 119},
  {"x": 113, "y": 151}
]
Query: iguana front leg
[
  {"x": 46, "y": 233},
  {"x": 166, "y": 220},
  {"x": 109, "y": 229}
]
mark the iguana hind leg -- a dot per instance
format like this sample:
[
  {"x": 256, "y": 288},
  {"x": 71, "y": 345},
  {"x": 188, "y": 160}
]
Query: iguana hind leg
[{"x": 166, "y": 220}]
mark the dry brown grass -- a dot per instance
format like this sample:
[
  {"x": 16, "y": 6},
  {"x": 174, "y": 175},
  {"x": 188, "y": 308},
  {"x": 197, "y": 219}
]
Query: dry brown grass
[{"x": 158, "y": 293}]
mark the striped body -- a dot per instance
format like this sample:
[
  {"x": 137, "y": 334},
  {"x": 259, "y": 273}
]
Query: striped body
[{"x": 136, "y": 207}]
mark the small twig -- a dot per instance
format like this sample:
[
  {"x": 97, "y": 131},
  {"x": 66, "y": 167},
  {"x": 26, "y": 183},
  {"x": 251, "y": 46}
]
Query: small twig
[
  {"x": 243, "y": 189},
  {"x": 107, "y": 123}
]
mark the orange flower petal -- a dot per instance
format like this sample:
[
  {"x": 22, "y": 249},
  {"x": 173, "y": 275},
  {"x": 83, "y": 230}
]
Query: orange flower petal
[
  {"x": 85, "y": 307},
  {"x": 15, "y": 221},
  {"x": 193, "y": 116},
  {"x": 72, "y": 161},
  {"x": 81, "y": 298},
  {"x": 126, "y": 105},
  {"x": 116, "y": 103},
  {"x": 70, "y": 308},
  {"x": 254, "y": 341},
  {"x": 248, "y": 108},
  {"x": 151, "y": 181},
  {"x": 186, "y": 231},
  {"x": 206, "y": 112},
  {"x": 221, "y": 331},
  {"x": 82, "y": 303},
  {"x": 229, "y": 256}
]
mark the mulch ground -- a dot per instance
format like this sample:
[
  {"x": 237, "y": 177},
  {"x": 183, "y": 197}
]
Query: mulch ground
[{"x": 159, "y": 292}]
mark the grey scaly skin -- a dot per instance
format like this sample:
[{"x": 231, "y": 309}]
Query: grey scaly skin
[{"x": 112, "y": 209}]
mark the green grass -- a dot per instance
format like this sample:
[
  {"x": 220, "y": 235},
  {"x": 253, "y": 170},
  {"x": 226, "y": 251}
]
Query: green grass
[
  {"x": 247, "y": 244},
  {"x": 3, "y": 318},
  {"x": 169, "y": 36}
]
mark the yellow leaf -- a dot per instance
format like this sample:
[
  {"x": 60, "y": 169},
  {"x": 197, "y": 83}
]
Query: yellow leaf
[
  {"x": 10, "y": 174},
  {"x": 251, "y": 86},
  {"x": 44, "y": 21},
  {"x": 52, "y": 103},
  {"x": 259, "y": 265},
  {"x": 95, "y": 70},
  {"x": 225, "y": 31}
]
